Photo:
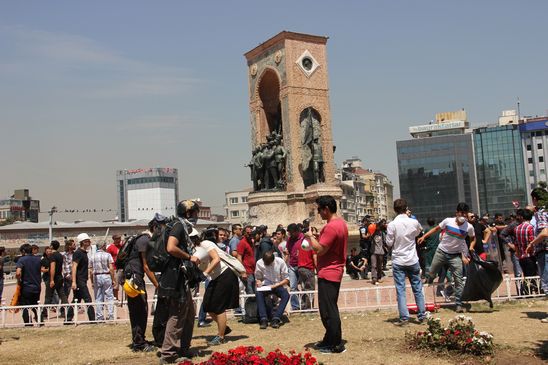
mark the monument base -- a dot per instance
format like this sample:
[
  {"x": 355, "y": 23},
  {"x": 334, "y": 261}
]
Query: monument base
[{"x": 281, "y": 207}]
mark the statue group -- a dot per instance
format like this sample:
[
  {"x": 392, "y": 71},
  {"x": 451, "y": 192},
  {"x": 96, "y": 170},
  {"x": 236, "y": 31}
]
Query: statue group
[
  {"x": 268, "y": 164},
  {"x": 268, "y": 171}
]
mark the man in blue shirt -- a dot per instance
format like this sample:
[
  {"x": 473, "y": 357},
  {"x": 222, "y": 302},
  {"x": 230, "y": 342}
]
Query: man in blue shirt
[
  {"x": 236, "y": 237},
  {"x": 28, "y": 276}
]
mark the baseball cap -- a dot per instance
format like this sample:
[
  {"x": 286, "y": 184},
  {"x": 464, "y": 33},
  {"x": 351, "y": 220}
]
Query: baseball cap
[{"x": 194, "y": 233}]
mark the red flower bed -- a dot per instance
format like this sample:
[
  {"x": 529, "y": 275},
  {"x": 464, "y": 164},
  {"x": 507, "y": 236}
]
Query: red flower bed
[{"x": 255, "y": 355}]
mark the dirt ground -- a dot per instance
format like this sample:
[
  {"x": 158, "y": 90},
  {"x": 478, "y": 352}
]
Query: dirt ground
[{"x": 371, "y": 338}]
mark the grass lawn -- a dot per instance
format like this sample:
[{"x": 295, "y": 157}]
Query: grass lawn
[{"x": 371, "y": 337}]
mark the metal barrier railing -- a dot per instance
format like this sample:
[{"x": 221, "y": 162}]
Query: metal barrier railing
[{"x": 350, "y": 299}]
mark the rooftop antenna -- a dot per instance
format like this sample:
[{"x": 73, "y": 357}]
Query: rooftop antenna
[{"x": 518, "y": 111}]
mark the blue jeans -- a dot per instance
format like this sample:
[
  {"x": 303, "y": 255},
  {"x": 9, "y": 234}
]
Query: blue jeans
[
  {"x": 454, "y": 261},
  {"x": 293, "y": 286},
  {"x": 281, "y": 293},
  {"x": 202, "y": 313},
  {"x": 515, "y": 264},
  {"x": 102, "y": 285},
  {"x": 249, "y": 283},
  {"x": 542, "y": 263},
  {"x": 413, "y": 273}
]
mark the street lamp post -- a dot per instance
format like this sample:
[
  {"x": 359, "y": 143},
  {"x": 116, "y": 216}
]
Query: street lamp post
[{"x": 52, "y": 210}]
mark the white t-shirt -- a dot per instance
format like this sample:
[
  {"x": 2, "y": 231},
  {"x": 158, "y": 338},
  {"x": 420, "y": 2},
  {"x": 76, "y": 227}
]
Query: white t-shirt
[
  {"x": 453, "y": 237},
  {"x": 202, "y": 252},
  {"x": 401, "y": 234}
]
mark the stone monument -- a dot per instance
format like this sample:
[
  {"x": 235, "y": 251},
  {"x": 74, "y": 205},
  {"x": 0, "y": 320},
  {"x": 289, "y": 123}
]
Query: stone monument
[{"x": 292, "y": 149}]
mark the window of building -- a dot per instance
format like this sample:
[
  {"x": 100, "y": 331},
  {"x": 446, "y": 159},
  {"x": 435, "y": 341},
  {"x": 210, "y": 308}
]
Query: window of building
[
  {"x": 539, "y": 146},
  {"x": 530, "y": 160},
  {"x": 528, "y": 147},
  {"x": 234, "y": 200},
  {"x": 234, "y": 213},
  {"x": 541, "y": 159},
  {"x": 244, "y": 199}
]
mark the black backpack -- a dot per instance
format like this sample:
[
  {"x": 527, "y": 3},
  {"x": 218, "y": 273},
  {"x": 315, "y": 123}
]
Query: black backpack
[
  {"x": 251, "y": 311},
  {"x": 157, "y": 255},
  {"x": 125, "y": 251}
]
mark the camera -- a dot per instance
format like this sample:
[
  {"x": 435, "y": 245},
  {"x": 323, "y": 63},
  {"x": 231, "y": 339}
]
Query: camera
[{"x": 305, "y": 226}]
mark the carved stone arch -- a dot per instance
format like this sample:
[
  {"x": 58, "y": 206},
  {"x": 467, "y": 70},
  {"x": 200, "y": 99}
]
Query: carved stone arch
[{"x": 267, "y": 98}]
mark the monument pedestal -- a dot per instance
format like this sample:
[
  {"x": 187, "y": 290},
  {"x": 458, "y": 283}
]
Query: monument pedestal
[{"x": 281, "y": 207}]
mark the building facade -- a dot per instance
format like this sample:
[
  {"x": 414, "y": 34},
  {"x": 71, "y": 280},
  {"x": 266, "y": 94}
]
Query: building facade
[
  {"x": 365, "y": 192},
  {"x": 19, "y": 207},
  {"x": 236, "y": 207},
  {"x": 534, "y": 138},
  {"x": 143, "y": 192},
  {"x": 436, "y": 168},
  {"x": 500, "y": 168}
]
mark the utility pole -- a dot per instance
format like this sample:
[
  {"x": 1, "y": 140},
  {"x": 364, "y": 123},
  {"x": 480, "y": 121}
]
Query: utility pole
[{"x": 51, "y": 211}]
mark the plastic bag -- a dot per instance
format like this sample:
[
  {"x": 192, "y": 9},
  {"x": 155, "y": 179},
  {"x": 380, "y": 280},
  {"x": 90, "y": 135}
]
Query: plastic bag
[{"x": 482, "y": 279}]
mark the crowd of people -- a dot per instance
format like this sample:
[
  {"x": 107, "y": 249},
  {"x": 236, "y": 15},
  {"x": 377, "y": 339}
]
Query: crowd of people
[
  {"x": 248, "y": 259},
  {"x": 270, "y": 265},
  {"x": 517, "y": 243}
]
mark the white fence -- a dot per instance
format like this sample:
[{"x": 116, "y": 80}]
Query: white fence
[{"x": 351, "y": 299}]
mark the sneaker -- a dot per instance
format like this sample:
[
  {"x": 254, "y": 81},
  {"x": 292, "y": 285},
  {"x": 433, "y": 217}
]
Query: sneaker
[
  {"x": 217, "y": 340},
  {"x": 544, "y": 320},
  {"x": 144, "y": 348},
  {"x": 320, "y": 345},
  {"x": 264, "y": 324},
  {"x": 402, "y": 323},
  {"x": 275, "y": 323},
  {"x": 427, "y": 315},
  {"x": 333, "y": 350},
  {"x": 204, "y": 324},
  {"x": 189, "y": 354},
  {"x": 460, "y": 309},
  {"x": 228, "y": 330}
]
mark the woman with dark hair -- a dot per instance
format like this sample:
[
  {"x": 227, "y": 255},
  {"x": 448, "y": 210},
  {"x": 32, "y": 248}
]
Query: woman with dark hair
[{"x": 222, "y": 292}]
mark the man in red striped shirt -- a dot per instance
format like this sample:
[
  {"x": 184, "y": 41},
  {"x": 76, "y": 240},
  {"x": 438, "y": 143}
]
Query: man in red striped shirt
[{"x": 524, "y": 234}]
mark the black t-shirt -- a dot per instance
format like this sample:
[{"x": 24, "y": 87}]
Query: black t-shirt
[
  {"x": 44, "y": 262},
  {"x": 178, "y": 231},
  {"x": 58, "y": 258},
  {"x": 134, "y": 263},
  {"x": 80, "y": 256},
  {"x": 357, "y": 260},
  {"x": 478, "y": 231},
  {"x": 30, "y": 267},
  {"x": 348, "y": 261}
]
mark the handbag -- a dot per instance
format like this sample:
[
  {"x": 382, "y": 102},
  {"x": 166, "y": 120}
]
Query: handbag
[{"x": 233, "y": 263}]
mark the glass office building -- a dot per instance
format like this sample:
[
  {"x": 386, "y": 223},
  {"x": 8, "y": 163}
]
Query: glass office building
[
  {"x": 436, "y": 173},
  {"x": 500, "y": 168}
]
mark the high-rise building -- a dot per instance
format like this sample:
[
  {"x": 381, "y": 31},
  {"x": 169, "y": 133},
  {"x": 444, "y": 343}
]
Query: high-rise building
[
  {"x": 143, "y": 192},
  {"x": 534, "y": 134},
  {"x": 500, "y": 168},
  {"x": 436, "y": 167}
]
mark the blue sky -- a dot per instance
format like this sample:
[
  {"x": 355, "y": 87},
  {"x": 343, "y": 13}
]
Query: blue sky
[{"x": 87, "y": 88}]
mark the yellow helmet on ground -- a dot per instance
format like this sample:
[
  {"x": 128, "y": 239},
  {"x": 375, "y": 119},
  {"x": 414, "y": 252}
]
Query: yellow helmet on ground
[{"x": 131, "y": 289}]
